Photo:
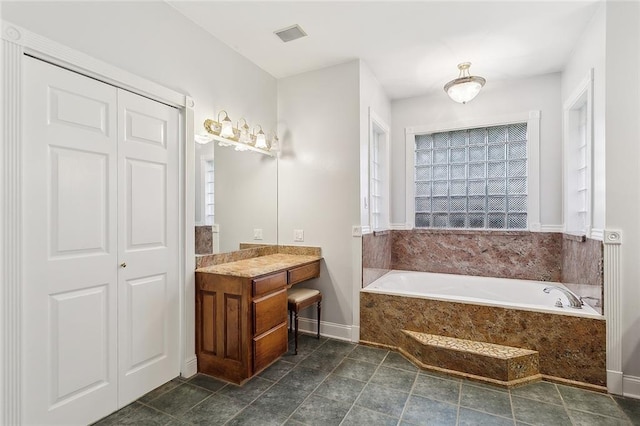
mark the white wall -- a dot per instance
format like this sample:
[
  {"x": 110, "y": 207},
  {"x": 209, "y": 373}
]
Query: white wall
[
  {"x": 318, "y": 178},
  {"x": 152, "y": 40},
  {"x": 496, "y": 99},
  {"x": 588, "y": 54},
  {"x": 622, "y": 167}
]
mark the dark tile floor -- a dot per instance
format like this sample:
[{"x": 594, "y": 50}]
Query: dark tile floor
[{"x": 331, "y": 382}]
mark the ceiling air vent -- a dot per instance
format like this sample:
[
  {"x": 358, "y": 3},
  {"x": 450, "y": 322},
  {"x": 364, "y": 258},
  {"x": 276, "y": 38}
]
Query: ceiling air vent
[{"x": 291, "y": 33}]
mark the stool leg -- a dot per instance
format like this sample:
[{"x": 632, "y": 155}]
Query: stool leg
[
  {"x": 296, "y": 335},
  {"x": 318, "y": 320},
  {"x": 290, "y": 320}
]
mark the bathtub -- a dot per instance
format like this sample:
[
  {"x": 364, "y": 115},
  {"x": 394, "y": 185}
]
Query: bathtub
[
  {"x": 518, "y": 313},
  {"x": 503, "y": 292}
]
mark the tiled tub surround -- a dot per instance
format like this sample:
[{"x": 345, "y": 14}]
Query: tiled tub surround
[
  {"x": 583, "y": 268},
  {"x": 582, "y": 260},
  {"x": 376, "y": 256},
  {"x": 502, "y": 254},
  {"x": 571, "y": 348},
  {"x": 574, "y": 261}
]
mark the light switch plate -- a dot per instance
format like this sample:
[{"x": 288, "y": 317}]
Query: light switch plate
[
  {"x": 257, "y": 234},
  {"x": 298, "y": 235}
]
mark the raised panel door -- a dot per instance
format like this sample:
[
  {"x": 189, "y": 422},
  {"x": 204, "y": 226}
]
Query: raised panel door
[
  {"x": 100, "y": 190},
  {"x": 148, "y": 293},
  {"x": 70, "y": 250}
]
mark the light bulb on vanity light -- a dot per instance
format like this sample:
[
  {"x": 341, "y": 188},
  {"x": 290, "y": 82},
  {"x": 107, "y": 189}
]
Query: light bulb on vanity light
[
  {"x": 245, "y": 136},
  {"x": 261, "y": 139},
  {"x": 226, "y": 126}
]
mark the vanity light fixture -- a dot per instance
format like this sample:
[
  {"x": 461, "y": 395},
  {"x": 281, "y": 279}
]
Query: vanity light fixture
[
  {"x": 239, "y": 137},
  {"x": 466, "y": 86}
]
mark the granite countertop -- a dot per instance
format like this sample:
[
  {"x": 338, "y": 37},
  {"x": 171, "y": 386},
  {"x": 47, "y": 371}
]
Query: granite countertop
[{"x": 256, "y": 266}]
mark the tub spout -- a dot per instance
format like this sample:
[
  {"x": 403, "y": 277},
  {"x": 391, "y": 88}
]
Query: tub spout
[{"x": 574, "y": 302}]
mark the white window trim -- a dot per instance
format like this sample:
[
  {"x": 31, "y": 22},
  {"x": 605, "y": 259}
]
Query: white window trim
[
  {"x": 574, "y": 101},
  {"x": 532, "y": 118},
  {"x": 203, "y": 188},
  {"x": 378, "y": 126}
]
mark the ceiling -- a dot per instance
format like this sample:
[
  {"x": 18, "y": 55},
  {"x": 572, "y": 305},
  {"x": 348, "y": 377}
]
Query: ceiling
[{"x": 413, "y": 48}]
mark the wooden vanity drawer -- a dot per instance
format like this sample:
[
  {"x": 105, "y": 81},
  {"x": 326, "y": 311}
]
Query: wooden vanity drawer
[
  {"x": 269, "y": 311},
  {"x": 303, "y": 273},
  {"x": 269, "y": 346},
  {"x": 269, "y": 283}
]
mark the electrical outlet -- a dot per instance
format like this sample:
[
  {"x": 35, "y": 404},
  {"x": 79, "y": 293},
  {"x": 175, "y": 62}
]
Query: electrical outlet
[
  {"x": 257, "y": 234},
  {"x": 356, "y": 231},
  {"x": 298, "y": 235}
]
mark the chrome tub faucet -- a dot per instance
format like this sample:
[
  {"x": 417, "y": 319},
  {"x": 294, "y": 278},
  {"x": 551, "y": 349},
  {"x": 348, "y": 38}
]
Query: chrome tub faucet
[{"x": 574, "y": 301}]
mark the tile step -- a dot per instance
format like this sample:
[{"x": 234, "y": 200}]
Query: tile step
[{"x": 502, "y": 365}]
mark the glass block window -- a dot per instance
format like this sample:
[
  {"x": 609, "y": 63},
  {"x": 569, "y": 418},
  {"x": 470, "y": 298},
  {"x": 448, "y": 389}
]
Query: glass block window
[{"x": 472, "y": 179}]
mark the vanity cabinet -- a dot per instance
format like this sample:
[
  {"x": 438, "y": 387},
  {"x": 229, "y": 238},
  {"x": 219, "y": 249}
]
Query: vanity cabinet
[{"x": 241, "y": 321}]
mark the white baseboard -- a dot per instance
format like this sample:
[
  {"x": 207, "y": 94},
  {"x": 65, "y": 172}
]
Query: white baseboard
[
  {"x": 631, "y": 386},
  {"x": 190, "y": 367},
  {"x": 614, "y": 382},
  {"x": 327, "y": 329}
]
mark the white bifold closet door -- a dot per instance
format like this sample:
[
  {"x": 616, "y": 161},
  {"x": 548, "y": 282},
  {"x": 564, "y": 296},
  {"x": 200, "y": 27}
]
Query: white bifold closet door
[{"x": 100, "y": 293}]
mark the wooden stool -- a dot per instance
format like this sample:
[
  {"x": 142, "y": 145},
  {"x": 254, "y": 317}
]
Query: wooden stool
[{"x": 297, "y": 300}]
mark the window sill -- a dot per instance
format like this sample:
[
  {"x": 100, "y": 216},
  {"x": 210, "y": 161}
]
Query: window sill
[
  {"x": 581, "y": 238},
  {"x": 469, "y": 231}
]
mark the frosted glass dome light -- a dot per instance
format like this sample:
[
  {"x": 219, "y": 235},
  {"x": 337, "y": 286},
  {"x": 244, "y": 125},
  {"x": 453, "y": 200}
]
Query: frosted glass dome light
[{"x": 466, "y": 86}]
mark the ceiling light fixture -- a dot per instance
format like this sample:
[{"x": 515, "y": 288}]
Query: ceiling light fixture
[{"x": 466, "y": 86}]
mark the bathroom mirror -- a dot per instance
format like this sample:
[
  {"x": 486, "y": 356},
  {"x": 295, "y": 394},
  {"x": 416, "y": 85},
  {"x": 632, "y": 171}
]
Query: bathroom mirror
[{"x": 236, "y": 194}]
